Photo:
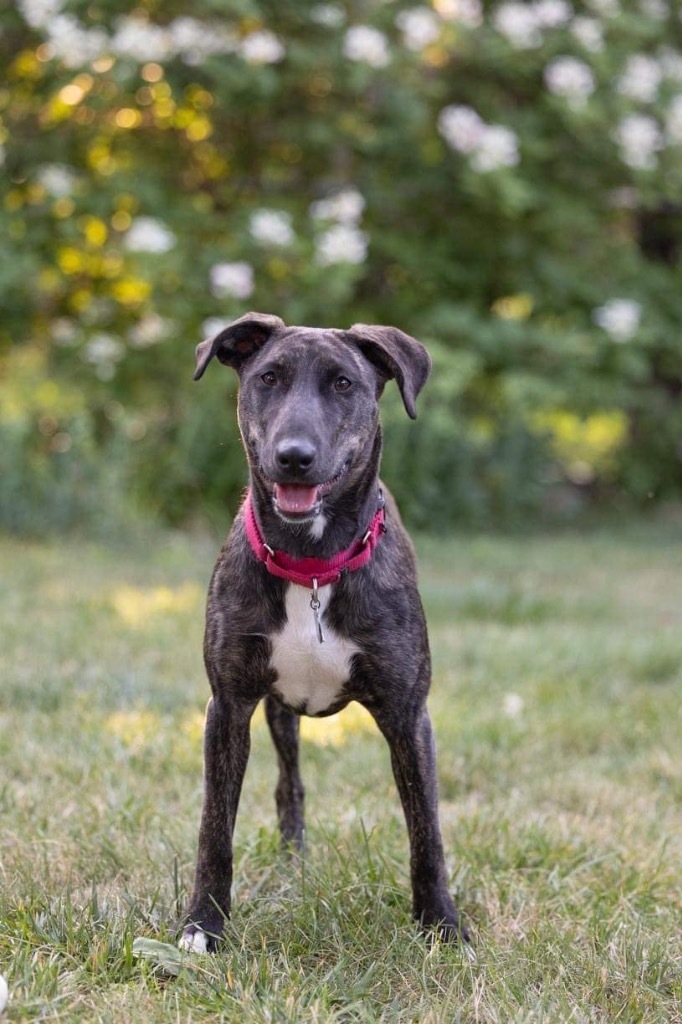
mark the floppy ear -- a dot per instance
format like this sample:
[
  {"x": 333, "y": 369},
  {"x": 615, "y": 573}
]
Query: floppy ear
[
  {"x": 235, "y": 343},
  {"x": 396, "y": 355}
]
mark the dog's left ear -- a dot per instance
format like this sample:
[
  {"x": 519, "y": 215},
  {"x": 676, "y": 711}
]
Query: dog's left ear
[
  {"x": 396, "y": 356},
  {"x": 236, "y": 342}
]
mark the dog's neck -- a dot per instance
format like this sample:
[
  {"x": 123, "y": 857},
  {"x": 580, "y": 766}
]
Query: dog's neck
[{"x": 346, "y": 515}]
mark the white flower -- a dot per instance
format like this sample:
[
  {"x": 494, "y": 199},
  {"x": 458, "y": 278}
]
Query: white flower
[
  {"x": 328, "y": 14},
  {"x": 345, "y": 207},
  {"x": 673, "y": 121},
  {"x": 57, "y": 179},
  {"x": 73, "y": 44},
  {"x": 519, "y": 24},
  {"x": 552, "y": 13},
  {"x": 641, "y": 78},
  {"x": 64, "y": 331},
  {"x": 103, "y": 348},
  {"x": 147, "y": 234},
  {"x": 342, "y": 243},
  {"x": 366, "y": 44},
  {"x": 639, "y": 137},
  {"x": 420, "y": 27},
  {"x": 135, "y": 38},
  {"x": 233, "y": 280},
  {"x": 513, "y": 705},
  {"x": 655, "y": 8},
  {"x": 150, "y": 330},
  {"x": 195, "y": 40},
  {"x": 570, "y": 78},
  {"x": 498, "y": 147},
  {"x": 262, "y": 47},
  {"x": 141, "y": 40},
  {"x": 671, "y": 63},
  {"x": 620, "y": 318},
  {"x": 271, "y": 227},
  {"x": 589, "y": 32},
  {"x": 466, "y": 12},
  {"x": 461, "y": 127},
  {"x": 39, "y": 13},
  {"x": 214, "y": 325},
  {"x": 490, "y": 146}
]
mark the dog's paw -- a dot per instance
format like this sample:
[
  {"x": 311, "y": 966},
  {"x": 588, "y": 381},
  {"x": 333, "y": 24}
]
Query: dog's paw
[
  {"x": 194, "y": 940},
  {"x": 451, "y": 931},
  {"x": 445, "y": 923}
]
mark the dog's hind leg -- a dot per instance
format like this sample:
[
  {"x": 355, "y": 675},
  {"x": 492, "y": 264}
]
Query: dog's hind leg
[{"x": 289, "y": 793}]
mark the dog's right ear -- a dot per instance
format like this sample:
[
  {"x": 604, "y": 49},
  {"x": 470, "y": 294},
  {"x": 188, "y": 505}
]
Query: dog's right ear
[{"x": 236, "y": 342}]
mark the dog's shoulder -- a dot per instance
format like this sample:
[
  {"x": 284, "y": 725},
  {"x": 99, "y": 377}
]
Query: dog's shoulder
[
  {"x": 396, "y": 547},
  {"x": 241, "y": 588}
]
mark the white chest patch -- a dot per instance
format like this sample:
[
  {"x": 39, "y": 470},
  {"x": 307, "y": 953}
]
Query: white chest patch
[{"x": 310, "y": 675}]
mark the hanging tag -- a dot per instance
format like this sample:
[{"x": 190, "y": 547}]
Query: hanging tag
[{"x": 315, "y": 605}]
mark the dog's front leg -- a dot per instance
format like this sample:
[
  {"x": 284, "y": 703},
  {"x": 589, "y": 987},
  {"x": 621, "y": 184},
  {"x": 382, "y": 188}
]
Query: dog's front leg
[
  {"x": 289, "y": 794},
  {"x": 413, "y": 758},
  {"x": 226, "y": 752}
]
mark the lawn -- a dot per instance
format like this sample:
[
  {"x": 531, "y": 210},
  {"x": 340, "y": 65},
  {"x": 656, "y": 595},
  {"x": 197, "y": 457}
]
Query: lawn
[{"x": 557, "y": 709}]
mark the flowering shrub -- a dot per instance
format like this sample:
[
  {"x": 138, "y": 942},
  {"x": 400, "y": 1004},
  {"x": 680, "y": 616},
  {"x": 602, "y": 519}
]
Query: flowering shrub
[{"x": 501, "y": 179}]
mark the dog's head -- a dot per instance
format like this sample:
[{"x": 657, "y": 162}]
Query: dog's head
[{"x": 308, "y": 400}]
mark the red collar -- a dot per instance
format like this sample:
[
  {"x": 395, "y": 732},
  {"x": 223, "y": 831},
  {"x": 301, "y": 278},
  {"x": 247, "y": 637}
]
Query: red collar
[{"x": 313, "y": 572}]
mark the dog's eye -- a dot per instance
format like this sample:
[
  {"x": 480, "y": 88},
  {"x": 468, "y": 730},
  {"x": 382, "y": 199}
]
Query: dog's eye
[
  {"x": 269, "y": 378},
  {"x": 341, "y": 384}
]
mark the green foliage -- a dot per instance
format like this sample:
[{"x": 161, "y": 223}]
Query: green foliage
[
  {"x": 57, "y": 474},
  {"x": 503, "y": 181}
]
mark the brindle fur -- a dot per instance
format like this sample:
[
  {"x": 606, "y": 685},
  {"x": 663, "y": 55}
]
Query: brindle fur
[{"x": 377, "y": 607}]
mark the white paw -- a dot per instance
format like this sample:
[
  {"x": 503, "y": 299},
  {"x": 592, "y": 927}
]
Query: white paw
[
  {"x": 193, "y": 941},
  {"x": 4, "y": 994}
]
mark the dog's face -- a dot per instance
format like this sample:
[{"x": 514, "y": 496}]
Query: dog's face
[
  {"x": 307, "y": 413},
  {"x": 308, "y": 401}
]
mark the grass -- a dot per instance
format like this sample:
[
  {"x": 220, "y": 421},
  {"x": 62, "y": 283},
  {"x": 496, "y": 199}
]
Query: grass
[{"x": 556, "y": 704}]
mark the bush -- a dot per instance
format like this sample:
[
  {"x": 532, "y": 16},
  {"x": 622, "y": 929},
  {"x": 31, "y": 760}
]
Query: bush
[
  {"x": 56, "y": 473},
  {"x": 501, "y": 180}
]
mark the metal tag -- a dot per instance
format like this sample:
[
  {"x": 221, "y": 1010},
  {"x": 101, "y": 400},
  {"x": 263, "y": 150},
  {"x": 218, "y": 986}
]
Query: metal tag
[{"x": 315, "y": 605}]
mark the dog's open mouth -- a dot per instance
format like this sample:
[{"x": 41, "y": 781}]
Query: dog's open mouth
[
  {"x": 303, "y": 499},
  {"x": 296, "y": 499}
]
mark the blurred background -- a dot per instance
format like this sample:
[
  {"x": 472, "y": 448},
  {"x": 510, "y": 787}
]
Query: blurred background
[{"x": 502, "y": 180}]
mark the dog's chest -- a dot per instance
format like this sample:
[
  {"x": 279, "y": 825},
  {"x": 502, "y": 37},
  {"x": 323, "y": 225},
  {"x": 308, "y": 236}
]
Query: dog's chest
[{"x": 310, "y": 675}]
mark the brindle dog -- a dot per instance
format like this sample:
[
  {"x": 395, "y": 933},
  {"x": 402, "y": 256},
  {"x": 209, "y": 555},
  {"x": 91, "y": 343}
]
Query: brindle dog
[{"x": 308, "y": 415}]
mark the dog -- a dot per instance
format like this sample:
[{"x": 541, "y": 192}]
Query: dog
[{"x": 313, "y": 601}]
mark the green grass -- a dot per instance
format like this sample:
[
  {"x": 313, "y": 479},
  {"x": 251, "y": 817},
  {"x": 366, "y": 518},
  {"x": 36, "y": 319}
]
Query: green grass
[{"x": 557, "y": 709}]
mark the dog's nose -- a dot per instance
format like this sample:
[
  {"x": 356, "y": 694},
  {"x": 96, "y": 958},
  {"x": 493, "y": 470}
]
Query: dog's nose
[{"x": 295, "y": 456}]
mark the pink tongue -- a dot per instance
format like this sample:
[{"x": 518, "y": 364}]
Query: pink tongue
[{"x": 295, "y": 497}]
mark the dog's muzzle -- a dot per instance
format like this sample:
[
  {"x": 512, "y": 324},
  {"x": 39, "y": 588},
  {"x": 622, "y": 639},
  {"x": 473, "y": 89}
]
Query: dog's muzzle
[{"x": 303, "y": 500}]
